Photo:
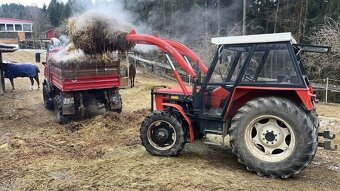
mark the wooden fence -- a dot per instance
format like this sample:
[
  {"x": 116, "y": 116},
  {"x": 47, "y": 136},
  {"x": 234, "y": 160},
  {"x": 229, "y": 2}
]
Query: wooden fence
[{"x": 158, "y": 68}]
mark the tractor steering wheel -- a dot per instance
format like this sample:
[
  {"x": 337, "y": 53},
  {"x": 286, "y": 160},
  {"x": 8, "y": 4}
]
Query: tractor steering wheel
[
  {"x": 248, "y": 77},
  {"x": 286, "y": 79}
]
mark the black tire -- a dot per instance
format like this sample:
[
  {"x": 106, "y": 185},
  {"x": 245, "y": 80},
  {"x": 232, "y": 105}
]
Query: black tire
[
  {"x": 273, "y": 137},
  {"x": 119, "y": 110},
  {"x": 153, "y": 136},
  {"x": 314, "y": 118},
  {"x": 61, "y": 119},
  {"x": 121, "y": 102},
  {"x": 48, "y": 100}
]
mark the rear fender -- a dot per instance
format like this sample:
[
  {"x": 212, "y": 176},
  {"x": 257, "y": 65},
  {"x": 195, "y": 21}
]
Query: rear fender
[
  {"x": 187, "y": 119},
  {"x": 242, "y": 95}
]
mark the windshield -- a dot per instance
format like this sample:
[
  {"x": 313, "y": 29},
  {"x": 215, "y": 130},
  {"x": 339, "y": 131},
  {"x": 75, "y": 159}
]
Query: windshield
[{"x": 229, "y": 64}]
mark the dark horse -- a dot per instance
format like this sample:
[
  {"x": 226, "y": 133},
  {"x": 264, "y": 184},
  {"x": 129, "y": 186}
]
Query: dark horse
[
  {"x": 21, "y": 70},
  {"x": 132, "y": 74}
]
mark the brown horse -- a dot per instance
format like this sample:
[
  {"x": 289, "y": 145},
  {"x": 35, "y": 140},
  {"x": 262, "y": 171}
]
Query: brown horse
[
  {"x": 21, "y": 70},
  {"x": 132, "y": 74}
]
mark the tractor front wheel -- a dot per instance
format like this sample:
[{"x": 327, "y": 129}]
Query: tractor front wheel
[
  {"x": 273, "y": 137},
  {"x": 162, "y": 134}
]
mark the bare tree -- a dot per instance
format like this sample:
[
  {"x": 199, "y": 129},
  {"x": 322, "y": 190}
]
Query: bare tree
[
  {"x": 244, "y": 24},
  {"x": 203, "y": 46},
  {"x": 322, "y": 66},
  {"x": 40, "y": 20}
]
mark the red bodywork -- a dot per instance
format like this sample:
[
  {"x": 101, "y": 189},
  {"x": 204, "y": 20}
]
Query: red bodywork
[{"x": 89, "y": 82}]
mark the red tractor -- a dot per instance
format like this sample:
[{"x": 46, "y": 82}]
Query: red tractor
[
  {"x": 71, "y": 88},
  {"x": 255, "y": 90}
]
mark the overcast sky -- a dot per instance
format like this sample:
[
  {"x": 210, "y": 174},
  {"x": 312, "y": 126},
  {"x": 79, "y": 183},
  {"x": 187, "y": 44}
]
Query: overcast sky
[{"x": 39, "y": 3}]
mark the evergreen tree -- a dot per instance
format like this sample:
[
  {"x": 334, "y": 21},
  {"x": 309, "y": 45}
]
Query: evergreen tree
[
  {"x": 54, "y": 10},
  {"x": 44, "y": 8},
  {"x": 66, "y": 11}
]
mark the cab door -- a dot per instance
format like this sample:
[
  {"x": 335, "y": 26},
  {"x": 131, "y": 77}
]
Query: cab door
[{"x": 221, "y": 79}]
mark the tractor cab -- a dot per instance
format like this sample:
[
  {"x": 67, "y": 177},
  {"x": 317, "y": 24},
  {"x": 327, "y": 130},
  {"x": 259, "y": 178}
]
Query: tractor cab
[{"x": 256, "y": 62}]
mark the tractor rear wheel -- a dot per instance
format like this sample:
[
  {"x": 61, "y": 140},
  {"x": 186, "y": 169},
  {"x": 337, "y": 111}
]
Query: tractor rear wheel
[
  {"x": 162, "y": 134},
  {"x": 273, "y": 137}
]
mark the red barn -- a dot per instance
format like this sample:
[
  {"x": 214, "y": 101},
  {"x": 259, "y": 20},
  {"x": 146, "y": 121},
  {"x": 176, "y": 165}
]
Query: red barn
[{"x": 49, "y": 34}]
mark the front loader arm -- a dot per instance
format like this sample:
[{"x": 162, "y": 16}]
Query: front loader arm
[
  {"x": 168, "y": 49},
  {"x": 187, "y": 52}
]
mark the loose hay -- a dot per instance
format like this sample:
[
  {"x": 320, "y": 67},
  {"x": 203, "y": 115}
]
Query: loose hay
[
  {"x": 73, "y": 59},
  {"x": 95, "y": 33}
]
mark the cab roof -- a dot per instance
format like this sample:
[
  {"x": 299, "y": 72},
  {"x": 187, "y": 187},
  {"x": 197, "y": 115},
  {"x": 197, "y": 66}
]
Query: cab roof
[{"x": 258, "y": 38}]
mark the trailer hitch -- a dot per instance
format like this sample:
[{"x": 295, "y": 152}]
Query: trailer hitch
[{"x": 326, "y": 144}]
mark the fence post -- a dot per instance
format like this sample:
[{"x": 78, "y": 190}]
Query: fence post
[
  {"x": 135, "y": 59},
  {"x": 326, "y": 89},
  {"x": 2, "y": 80},
  {"x": 128, "y": 67}
]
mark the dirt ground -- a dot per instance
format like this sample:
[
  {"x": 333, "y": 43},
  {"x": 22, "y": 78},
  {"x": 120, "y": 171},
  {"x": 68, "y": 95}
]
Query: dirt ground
[{"x": 105, "y": 153}]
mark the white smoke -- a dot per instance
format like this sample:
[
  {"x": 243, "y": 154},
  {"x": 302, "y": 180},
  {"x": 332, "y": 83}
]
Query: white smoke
[
  {"x": 64, "y": 39},
  {"x": 109, "y": 8},
  {"x": 82, "y": 21}
]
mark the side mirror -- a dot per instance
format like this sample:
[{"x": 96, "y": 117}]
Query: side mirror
[{"x": 37, "y": 57}]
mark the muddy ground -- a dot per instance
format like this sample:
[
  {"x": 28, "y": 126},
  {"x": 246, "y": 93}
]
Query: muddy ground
[{"x": 105, "y": 153}]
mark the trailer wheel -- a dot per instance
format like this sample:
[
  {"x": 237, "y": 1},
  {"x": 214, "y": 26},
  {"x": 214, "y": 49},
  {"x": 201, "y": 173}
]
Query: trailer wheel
[
  {"x": 48, "y": 100},
  {"x": 118, "y": 111},
  {"x": 273, "y": 137},
  {"x": 61, "y": 119},
  {"x": 162, "y": 134}
]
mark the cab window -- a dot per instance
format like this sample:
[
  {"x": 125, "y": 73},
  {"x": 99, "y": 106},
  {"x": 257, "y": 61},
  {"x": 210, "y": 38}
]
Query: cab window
[{"x": 271, "y": 64}]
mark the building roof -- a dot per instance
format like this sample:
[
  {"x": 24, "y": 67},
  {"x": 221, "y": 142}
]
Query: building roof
[
  {"x": 259, "y": 38},
  {"x": 12, "y": 20},
  {"x": 49, "y": 30},
  {"x": 7, "y": 48}
]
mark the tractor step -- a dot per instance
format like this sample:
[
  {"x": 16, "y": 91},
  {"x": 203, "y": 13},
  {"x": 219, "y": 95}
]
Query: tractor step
[
  {"x": 214, "y": 144},
  {"x": 210, "y": 131},
  {"x": 214, "y": 140}
]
